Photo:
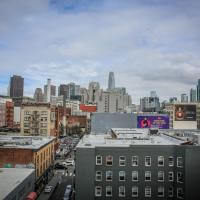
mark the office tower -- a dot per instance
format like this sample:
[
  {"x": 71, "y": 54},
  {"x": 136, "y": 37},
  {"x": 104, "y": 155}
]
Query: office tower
[
  {"x": 49, "y": 90},
  {"x": 184, "y": 98},
  {"x": 153, "y": 94},
  {"x": 94, "y": 92},
  {"x": 38, "y": 95},
  {"x": 63, "y": 91},
  {"x": 172, "y": 99},
  {"x": 193, "y": 95},
  {"x": 16, "y": 86},
  {"x": 198, "y": 91},
  {"x": 111, "y": 81},
  {"x": 150, "y": 104}
]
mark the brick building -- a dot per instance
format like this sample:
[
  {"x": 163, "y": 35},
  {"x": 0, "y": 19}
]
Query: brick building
[{"x": 28, "y": 152}]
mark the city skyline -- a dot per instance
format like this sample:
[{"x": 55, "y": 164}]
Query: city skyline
[{"x": 158, "y": 52}]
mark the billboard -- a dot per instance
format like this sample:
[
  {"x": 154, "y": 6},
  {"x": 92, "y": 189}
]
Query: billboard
[
  {"x": 161, "y": 122},
  {"x": 185, "y": 112}
]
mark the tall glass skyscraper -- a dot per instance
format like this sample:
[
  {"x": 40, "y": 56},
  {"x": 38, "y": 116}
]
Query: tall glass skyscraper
[
  {"x": 198, "y": 91},
  {"x": 111, "y": 81}
]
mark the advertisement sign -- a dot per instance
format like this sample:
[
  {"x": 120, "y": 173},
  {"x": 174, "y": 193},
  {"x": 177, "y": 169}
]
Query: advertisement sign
[
  {"x": 185, "y": 112},
  {"x": 161, "y": 122}
]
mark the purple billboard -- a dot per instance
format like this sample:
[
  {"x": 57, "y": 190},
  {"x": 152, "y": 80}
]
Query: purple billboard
[{"x": 161, "y": 122}]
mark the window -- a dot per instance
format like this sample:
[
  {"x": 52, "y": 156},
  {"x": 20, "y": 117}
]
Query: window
[
  {"x": 134, "y": 160},
  {"x": 108, "y": 191},
  {"x": 179, "y": 162},
  {"x": 108, "y": 175},
  {"x": 147, "y": 191},
  {"x": 171, "y": 191},
  {"x": 180, "y": 177},
  {"x": 109, "y": 160},
  {"x": 98, "y": 191},
  {"x": 171, "y": 161},
  {"x": 180, "y": 193},
  {"x": 121, "y": 176},
  {"x": 121, "y": 191},
  {"x": 160, "y": 191},
  {"x": 122, "y": 161},
  {"x": 134, "y": 176},
  {"x": 98, "y": 160},
  {"x": 160, "y": 176},
  {"x": 98, "y": 176},
  {"x": 147, "y": 176},
  {"x": 147, "y": 161},
  {"x": 171, "y": 176},
  {"x": 160, "y": 161},
  {"x": 134, "y": 191}
]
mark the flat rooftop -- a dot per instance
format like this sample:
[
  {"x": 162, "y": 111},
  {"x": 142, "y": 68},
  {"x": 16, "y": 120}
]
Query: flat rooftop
[
  {"x": 122, "y": 137},
  {"x": 10, "y": 178},
  {"x": 24, "y": 142}
]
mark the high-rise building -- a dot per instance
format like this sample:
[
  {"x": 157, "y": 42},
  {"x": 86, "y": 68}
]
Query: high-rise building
[
  {"x": 94, "y": 92},
  {"x": 150, "y": 104},
  {"x": 173, "y": 99},
  {"x": 38, "y": 95},
  {"x": 63, "y": 91},
  {"x": 49, "y": 90},
  {"x": 16, "y": 86},
  {"x": 184, "y": 98},
  {"x": 193, "y": 95},
  {"x": 111, "y": 81},
  {"x": 198, "y": 91},
  {"x": 153, "y": 94}
]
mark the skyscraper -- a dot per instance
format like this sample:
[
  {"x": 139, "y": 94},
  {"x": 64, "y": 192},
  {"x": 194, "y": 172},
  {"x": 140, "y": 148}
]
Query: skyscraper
[
  {"x": 111, "y": 81},
  {"x": 38, "y": 95},
  {"x": 193, "y": 95},
  {"x": 184, "y": 98},
  {"x": 16, "y": 86},
  {"x": 198, "y": 91},
  {"x": 49, "y": 90}
]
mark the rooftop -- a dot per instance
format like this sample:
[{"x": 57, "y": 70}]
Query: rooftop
[
  {"x": 124, "y": 137},
  {"x": 24, "y": 142},
  {"x": 10, "y": 178}
]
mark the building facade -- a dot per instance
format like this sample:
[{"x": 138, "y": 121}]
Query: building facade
[
  {"x": 28, "y": 152},
  {"x": 16, "y": 86},
  {"x": 38, "y": 119},
  {"x": 150, "y": 104},
  {"x": 118, "y": 166}
]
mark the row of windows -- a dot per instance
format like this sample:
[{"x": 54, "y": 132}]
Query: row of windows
[
  {"x": 135, "y": 191},
  {"x": 122, "y": 176},
  {"x": 135, "y": 161}
]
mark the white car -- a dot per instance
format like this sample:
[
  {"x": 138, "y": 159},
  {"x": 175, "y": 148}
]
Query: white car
[{"x": 48, "y": 189}]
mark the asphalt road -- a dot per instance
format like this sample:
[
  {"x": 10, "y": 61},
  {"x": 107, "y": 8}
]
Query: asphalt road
[{"x": 66, "y": 177}]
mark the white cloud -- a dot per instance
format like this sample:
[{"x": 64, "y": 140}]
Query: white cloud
[{"x": 148, "y": 46}]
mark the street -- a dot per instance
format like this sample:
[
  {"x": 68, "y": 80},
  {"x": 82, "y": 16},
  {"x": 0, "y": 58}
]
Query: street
[{"x": 65, "y": 175}]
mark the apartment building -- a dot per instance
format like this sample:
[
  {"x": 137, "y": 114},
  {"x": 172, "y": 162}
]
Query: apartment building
[
  {"x": 28, "y": 152},
  {"x": 38, "y": 119},
  {"x": 136, "y": 164}
]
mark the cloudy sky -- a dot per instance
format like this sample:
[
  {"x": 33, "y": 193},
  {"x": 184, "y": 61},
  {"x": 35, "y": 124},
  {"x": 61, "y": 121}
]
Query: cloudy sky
[{"x": 149, "y": 44}]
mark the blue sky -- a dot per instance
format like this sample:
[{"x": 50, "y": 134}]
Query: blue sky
[{"x": 149, "y": 44}]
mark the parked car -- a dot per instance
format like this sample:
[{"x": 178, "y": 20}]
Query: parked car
[
  {"x": 48, "y": 189},
  {"x": 59, "y": 166},
  {"x": 68, "y": 192}
]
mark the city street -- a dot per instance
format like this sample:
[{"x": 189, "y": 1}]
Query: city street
[{"x": 65, "y": 176}]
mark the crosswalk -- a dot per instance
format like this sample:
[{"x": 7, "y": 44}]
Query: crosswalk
[{"x": 69, "y": 174}]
